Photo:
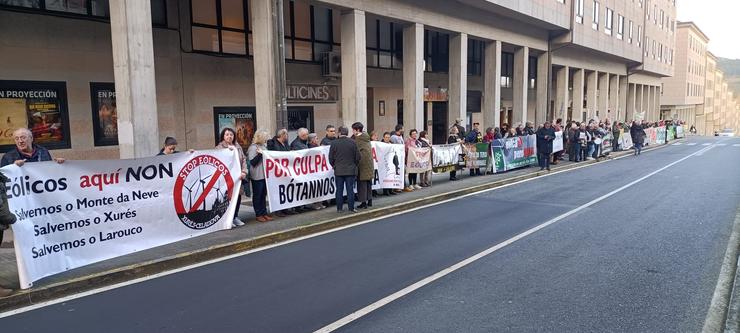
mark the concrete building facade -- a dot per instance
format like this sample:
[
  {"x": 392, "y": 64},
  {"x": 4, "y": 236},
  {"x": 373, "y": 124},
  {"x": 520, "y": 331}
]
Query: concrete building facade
[
  {"x": 683, "y": 96},
  {"x": 97, "y": 81}
]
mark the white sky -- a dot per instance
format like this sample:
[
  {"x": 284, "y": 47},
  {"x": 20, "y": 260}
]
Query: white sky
[{"x": 718, "y": 19}]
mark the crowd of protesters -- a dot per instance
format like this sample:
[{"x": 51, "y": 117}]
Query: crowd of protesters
[{"x": 352, "y": 160}]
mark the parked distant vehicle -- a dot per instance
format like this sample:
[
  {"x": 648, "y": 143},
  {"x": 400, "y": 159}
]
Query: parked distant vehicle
[{"x": 725, "y": 132}]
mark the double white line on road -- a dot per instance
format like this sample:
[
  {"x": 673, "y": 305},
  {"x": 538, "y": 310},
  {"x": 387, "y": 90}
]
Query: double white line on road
[{"x": 421, "y": 283}]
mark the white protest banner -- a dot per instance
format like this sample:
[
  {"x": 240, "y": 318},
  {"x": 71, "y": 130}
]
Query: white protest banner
[
  {"x": 82, "y": 212},
  {"x": 625, "y": 139},
  {"x": 297, "y": 178},
  {"x": 557, "y": 144},
  {"x": 419, "y": 160},
  {"x": 389, "y": 163},
  {"x": 445, "y": 158}
]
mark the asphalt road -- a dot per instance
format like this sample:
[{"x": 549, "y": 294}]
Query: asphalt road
[{"x": 644, "y": 260}]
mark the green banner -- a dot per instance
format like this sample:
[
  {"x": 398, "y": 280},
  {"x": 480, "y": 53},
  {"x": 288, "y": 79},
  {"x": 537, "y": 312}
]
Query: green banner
[
  {"x": 671, "y": 133},
  {"x": 513, "y": 153},
  {"x": 476, "y": 155}
]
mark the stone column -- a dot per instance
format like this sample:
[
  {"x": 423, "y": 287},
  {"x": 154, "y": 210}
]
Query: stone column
[
  {"x": 639, "y": 100},
  {"x": 543, "y": 84},
  {"x": 562, "y": 97},
  {"x": 265, "y": 66},
  {"x": 458, "y": 78},
  {"x": 613, "y": 97},
  {"x": 354, "y": 67},
  {"x": 657, "y": 103},
  {"x": 521, "y": 85},
  {"x": 492, "y": 84},
  {"x": 591, "y": 97},
  {"x": 624, "y": 91},
  {"x": 603, "y": 99},
  {"x": 413, "y": 76},
  {"x": 631, "y": 102},
  {"x": 648, "y": 103},
  {"x": 133, "y": 70},
  {"x": 578, "y": 97}
]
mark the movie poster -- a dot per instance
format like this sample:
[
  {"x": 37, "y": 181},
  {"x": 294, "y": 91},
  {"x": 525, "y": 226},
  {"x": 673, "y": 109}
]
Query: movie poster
[
  {"x": 39, "y": 106},
  {"x": 241, "y": 119},
  {"x": 104, "y": 113}
]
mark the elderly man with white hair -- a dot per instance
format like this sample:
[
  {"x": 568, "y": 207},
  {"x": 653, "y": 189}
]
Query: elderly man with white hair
[
  {"x": 300, "y": 142},
  {"x": 26, "y": 151}
]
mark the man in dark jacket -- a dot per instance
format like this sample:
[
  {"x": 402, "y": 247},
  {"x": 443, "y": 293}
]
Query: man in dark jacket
[
  {"x": 638, "y": 136},
  {"x": 26, "y": 151},
  {"x": 545, "y": 136},
  {"x": 460, "y": 128},
  {"x": 300, "y": 142},
  {"x": 366, "y": 169},
  {"x": 344, "y": 157},
  {"x": 331, "y": 135},
  {"x": 6, "y": 219},
  {"x": 529, "y": 129},
  {"x": 279, "y": 142}
]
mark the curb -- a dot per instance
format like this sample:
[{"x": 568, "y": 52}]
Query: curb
[
  {"x": 728, "y": 285},
  {"x": 33, "y": 296}
]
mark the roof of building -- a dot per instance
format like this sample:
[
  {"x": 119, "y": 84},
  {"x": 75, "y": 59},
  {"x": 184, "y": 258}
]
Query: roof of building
[{"x": 691, "y": 24}]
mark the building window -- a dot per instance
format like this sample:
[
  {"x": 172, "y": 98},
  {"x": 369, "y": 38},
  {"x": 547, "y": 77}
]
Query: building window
[
  {"x": 436, "y": 51},
  {"x": 475, "y": 57},
  {"x": 647, "y": 46},
  {"x": 561, "y": 1},
  {"x": 662, "y": 19},
  {"x": 507, "y": 69},
  {"x": 219, "y": 26},
  {"x": 639, "y": 36},
  {"x": 647, "y": 12},
  {"x": 609, "y": 24},
  {"x": 595, "y": 23},
  {"x": 654, "y": 48},
  {"x": 629, "y": 40},
  {"x": 384, "y": 44},
  {"x": 579, "y": 11},
  {"x": 655, "y": 14},
  {"x": 620, "y": 27},
  {"x": 308, "y": 30},
  {"x": 660, "y": 52},
  {"x": 93, "y": 9}
]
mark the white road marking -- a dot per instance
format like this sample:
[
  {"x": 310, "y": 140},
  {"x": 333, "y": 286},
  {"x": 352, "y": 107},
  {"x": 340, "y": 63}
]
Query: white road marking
[
  {"x": 236, "y": 255},
  {"x": 421, "y": 283},
  {"x": 721, "y": 144},
  {"x": 677, "y": 144},
  {"x": 706, "y": 144},
  {"x": 691, "y": 144},
  {"x": 736, "y": 145}
]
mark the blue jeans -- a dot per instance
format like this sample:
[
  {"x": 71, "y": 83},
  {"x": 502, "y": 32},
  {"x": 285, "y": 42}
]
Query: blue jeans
[
  {"x": 591, "y": 148},
  {"x": 638, "y": 148},
  {"x": 342, "y": 183},
  {"x": 259, "y": 197}
]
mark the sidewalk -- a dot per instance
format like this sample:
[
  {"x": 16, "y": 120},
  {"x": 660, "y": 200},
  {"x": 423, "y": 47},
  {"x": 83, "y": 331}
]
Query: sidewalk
[{"x": 250, "y": 236}]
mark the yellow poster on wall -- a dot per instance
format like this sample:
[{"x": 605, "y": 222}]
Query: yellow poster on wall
[{"x": 13, "y": 111}]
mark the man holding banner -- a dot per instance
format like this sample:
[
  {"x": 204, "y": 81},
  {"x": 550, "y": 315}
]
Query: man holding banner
[
  {"x": 545, "y": 136},
  {"x": 344, "y": 157}
]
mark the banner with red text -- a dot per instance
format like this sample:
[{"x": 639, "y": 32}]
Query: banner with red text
[
  {"x": 302, "y": 177},
  {"x": 419, "y": 160},
  {"x": 82, "y": 212},
  {"x": 297, "y": 178}
]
